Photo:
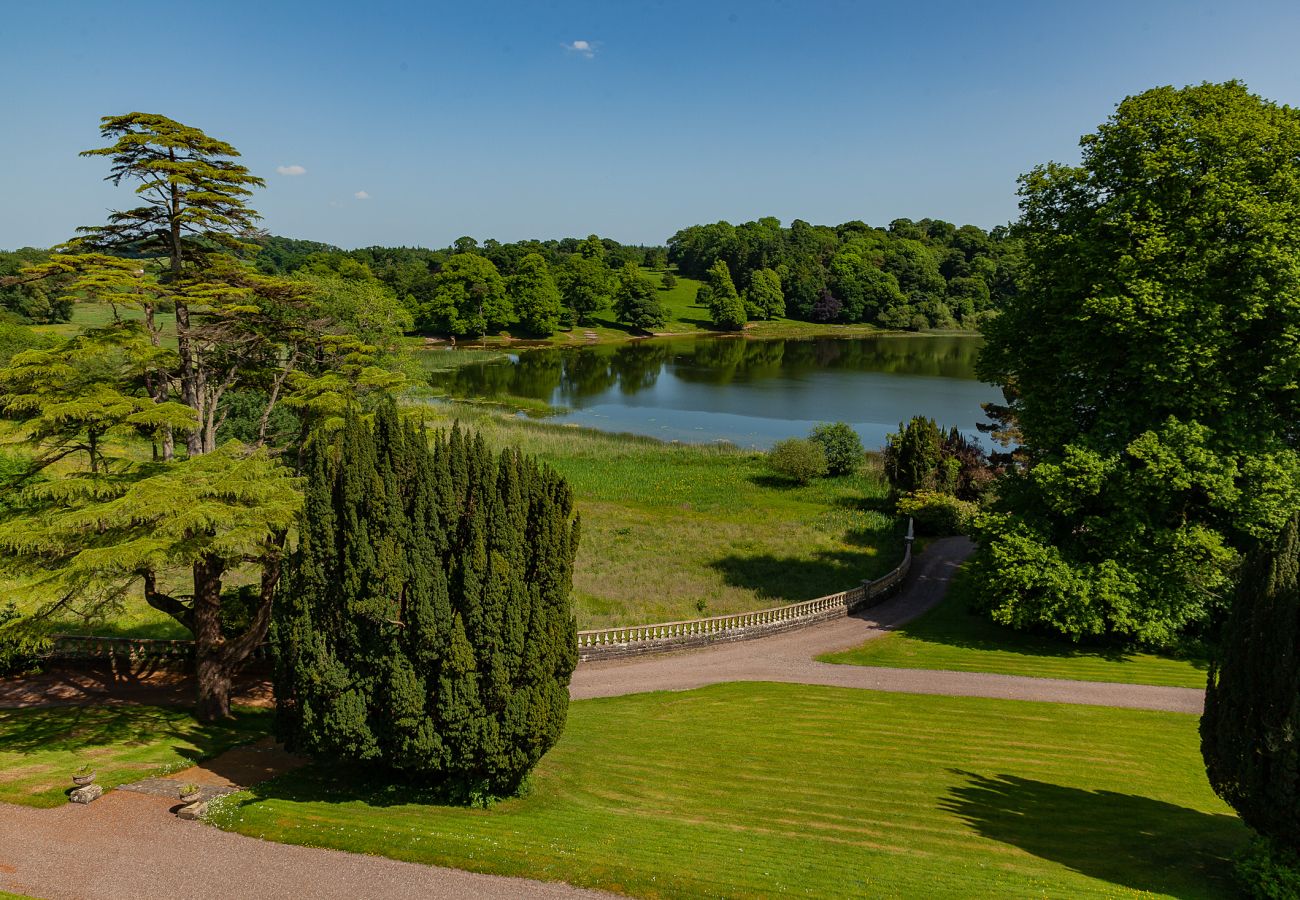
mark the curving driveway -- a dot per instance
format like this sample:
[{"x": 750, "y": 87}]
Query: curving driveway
[{"x": 789, "y": 657}]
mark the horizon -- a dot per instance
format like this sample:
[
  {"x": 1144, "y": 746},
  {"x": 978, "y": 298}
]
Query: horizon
[{"x": 405, "y": 126}]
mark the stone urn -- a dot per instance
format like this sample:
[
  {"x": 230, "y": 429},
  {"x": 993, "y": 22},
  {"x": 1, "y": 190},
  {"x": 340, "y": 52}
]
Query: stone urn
[
  {"x": 83, "y": 777},
  {"x": 190, "y": 793}
]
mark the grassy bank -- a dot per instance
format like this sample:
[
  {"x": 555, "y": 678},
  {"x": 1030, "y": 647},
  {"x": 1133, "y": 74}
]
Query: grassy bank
[
  {"x": 952, "y": 637},
  {"x": 760, "y": 789},
  {"x": 41, "y": 748}
]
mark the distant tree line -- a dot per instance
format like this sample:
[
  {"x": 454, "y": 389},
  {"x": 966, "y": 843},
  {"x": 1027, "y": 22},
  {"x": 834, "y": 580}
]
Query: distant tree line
[
  {"x": 914, "y": 275},
  {"x": 470, "y": 289}
]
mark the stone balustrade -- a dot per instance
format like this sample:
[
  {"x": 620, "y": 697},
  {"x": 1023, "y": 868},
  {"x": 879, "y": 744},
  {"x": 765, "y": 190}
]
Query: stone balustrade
[{"x": 634, "y": 640}]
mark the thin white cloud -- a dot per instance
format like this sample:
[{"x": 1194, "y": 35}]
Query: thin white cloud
[
  {"x": 291, "y": 170},
  {"x": 583, "y": 48},
  {"x": 361, "y": 195}
]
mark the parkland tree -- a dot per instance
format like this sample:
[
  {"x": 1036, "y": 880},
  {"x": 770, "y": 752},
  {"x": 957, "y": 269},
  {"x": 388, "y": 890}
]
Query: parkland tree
[
  {"x": 1150, "y": 357},
  {"x": 128, "y": 482},
  {"x": 425, "y": 624}
]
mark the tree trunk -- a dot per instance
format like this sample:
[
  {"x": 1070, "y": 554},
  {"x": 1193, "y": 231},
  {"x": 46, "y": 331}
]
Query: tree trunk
[{"x": 212, "y": 673}]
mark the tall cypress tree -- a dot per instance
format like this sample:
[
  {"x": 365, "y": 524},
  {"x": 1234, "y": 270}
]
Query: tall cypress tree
[
  {"x": 426, "y": 623},
  {"x": 1250, "y": 732}
]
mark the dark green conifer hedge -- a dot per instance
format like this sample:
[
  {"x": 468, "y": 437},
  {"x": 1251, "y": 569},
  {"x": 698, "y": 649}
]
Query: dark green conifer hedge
[
  {"x": 425, "y": 623},
  {"x": 1250, "y": 732}
]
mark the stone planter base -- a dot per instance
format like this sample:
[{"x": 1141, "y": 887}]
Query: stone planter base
[
  {"x": 192, "y": 811},
  {"x": 87, "y": 794}
]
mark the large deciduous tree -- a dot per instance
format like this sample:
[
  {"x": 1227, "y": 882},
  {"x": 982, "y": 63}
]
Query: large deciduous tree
[
  {"x": 636, "y": 302},
  {"x": 1150, "y": 357},
  {"x": 1250, "y": 731},
  {"x": 535, "y": 297},
  {"x": 425, "y": 624},
  {"x": 469, "y": 298}
]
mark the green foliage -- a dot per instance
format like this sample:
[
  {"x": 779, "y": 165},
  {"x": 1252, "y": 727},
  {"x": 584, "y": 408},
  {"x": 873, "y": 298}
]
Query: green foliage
[
  {"x": 535, "y": 296},
  {"x": 1148, "y": 359},
  {"x": 584, "y": 284},
  {"x": 469, "y": 298},
  {"x": 913, "y": 455},
  {"x": 841, "y": 444},
  {"x": 26, "y": 299},
  {"x": 635, "y": 301},
  {"x": 912, "y": 275},
  {"x": 20, "y": 644},
  {"x": 669, "y": 281},
  {"x": 1268, "y": 871},
  {"x": 15, "y": 338},
  {"x": 800, "y": 460},
  {"x": 1250, "y": 731},
  {"x": 763, "y": 297},
  {"x": 937, "y": 514},
  {"x": 725, "y": 306},
  {"x": 425, "y": 624}
]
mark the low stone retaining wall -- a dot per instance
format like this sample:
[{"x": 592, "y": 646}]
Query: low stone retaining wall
[
  {"x": 82, "y": 648},
  {"x": 636, "y": 640}
]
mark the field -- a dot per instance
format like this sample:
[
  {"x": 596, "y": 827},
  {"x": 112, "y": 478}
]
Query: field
[
  {"x": 952, "y": 637},
  {"x": 41, "y": 748},
  {"x": 761, "y": 789}
]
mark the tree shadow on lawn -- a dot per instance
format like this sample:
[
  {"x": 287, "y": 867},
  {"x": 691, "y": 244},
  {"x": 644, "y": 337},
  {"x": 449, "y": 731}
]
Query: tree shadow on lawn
[
  {"x": 1127, "y": 840},
  {"x": 794, "y": 579},
  {"x": 79, "y": 729},
  {"x": 954, "y": 623},
  {"x": 320, "y": 782}
]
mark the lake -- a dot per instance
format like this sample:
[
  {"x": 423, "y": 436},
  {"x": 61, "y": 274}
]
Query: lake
[{"x": 749, "y": 392}]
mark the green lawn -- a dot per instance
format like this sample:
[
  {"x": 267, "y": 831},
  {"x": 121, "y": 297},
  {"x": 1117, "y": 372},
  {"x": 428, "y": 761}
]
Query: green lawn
[
  {"x": 952, "y": 637},
  {"x": 41, "y": 748},
  {"x": 754, "y": 790}
]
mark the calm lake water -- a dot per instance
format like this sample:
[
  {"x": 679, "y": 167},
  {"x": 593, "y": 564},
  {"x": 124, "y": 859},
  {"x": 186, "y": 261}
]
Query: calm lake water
[{"x": 750, "y": 392}]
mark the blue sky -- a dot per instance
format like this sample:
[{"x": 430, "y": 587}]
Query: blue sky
[{"x": 415, "y": 123}]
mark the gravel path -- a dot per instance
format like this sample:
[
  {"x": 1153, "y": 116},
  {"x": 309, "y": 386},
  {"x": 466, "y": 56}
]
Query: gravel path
[
  {"x": 127, "y": 845},
  {"x": 789, "y": 658}
]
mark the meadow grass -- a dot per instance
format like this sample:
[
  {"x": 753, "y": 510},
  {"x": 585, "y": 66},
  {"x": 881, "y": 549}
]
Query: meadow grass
[
  {"x": 749, "y": 790},
  {"x": 953, "y": 637},
  {"x": 675, "y": 531},
  {"x": 41, "y": 748}
]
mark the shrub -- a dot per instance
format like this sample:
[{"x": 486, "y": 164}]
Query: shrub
[
  {"x": 937, "y": 514},
  {"x": 20, "y": 645},
  {"x": 797, "y": 459},
  {"x": 842, "y": 446},
  {"x": 1268, "y": 872}
]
